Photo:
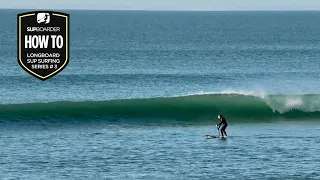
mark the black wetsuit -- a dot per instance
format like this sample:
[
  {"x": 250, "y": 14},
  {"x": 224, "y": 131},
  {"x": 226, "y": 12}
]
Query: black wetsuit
[{"x": 225, "y": 124}]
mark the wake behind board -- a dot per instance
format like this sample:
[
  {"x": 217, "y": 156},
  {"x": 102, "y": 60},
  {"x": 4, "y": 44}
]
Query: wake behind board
[{"x": 214, "y": 136}]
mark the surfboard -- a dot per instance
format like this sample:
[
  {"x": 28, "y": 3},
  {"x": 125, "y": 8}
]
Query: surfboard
[{"x": 214, "y": 136}]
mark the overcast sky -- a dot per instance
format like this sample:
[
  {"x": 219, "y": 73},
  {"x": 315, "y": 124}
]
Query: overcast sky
[{"x": 164, "y": 4}]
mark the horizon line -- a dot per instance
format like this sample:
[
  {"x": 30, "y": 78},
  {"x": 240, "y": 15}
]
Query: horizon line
[{"x": 168, "y": 10}]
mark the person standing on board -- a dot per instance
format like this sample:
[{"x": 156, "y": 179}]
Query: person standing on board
[{"x": 225, "y": 124}]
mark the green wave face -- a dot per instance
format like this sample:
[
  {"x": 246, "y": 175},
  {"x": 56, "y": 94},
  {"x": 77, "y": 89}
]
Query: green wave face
[{"x": 235, "y": 107}]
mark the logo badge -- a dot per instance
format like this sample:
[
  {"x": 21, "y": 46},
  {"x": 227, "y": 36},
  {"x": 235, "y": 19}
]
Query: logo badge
[{"x": 43, "y": 42}]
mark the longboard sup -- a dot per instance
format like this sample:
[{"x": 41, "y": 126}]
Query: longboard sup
[{"x": 214, "y": 136}]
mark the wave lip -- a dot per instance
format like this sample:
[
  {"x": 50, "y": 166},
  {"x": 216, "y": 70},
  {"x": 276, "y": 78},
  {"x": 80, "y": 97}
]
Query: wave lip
[{"x": 191, "y": 107}]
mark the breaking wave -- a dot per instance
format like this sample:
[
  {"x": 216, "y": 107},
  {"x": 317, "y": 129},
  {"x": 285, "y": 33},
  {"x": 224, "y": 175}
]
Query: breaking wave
[{"x": 192, "y": 107}]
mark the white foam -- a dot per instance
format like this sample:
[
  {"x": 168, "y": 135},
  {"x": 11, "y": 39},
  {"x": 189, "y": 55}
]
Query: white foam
[
  {"x": 293, "y": 102},
  {"x": 260, "y": 94}
]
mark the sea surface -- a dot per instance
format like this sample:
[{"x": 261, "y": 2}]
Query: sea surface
[{"x": 142, "y": 88}]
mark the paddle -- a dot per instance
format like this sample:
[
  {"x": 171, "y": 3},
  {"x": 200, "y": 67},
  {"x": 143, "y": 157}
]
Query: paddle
[{"x": 218, "y": 127}]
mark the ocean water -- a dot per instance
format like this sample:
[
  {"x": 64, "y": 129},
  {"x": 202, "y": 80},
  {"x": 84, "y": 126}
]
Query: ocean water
[{"x": 142, "y": 88}]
